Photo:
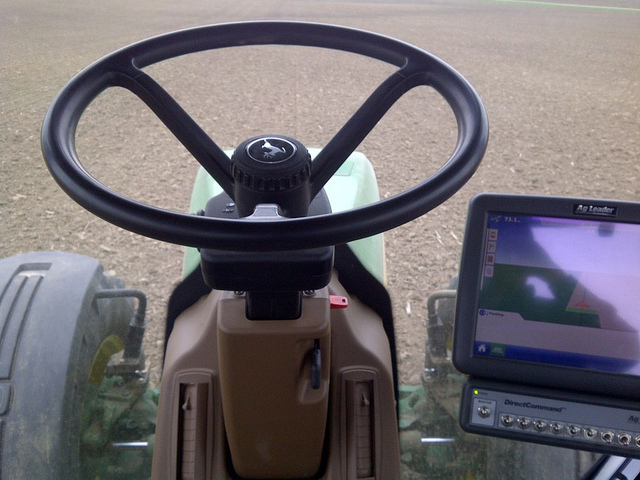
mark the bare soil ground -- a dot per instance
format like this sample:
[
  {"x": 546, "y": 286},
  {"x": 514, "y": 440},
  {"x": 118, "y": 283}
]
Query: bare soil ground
[{"x": 560, "y": 84}]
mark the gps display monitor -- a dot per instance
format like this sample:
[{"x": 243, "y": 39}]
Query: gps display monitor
[{"x": 549, "y": 293}]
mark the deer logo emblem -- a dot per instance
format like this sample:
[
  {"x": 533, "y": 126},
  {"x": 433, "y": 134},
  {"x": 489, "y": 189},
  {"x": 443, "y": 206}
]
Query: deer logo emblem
[{"x": 269, "y": 151}]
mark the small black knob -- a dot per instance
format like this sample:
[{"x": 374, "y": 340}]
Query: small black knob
[{"x": 272, "y": 169}]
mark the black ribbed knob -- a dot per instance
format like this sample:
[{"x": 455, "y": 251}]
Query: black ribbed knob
[{"x": 272, "y": 169}]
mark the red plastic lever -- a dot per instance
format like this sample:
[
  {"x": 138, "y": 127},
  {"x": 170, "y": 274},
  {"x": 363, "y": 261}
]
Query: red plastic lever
[{"x": 337, "y": 301}]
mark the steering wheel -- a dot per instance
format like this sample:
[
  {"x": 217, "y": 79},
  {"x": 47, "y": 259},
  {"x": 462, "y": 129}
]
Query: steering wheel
[{"x": 123, "y": 68}]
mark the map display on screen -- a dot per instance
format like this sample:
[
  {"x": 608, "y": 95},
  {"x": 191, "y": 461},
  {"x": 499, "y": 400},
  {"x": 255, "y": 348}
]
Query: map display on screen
[{"x": 560, "y": 291}]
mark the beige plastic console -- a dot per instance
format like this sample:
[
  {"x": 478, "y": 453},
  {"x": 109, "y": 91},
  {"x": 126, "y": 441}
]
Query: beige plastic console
[{"x": 237, "y": 396}]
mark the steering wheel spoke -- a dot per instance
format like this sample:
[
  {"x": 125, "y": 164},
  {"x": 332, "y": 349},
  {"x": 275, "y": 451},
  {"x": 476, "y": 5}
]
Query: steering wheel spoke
[
  {"x": 356, "y": 129},
  {"x": 183, "y": 127}
]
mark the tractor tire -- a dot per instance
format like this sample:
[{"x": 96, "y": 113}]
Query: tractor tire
[{"x": 52, "y": 330}]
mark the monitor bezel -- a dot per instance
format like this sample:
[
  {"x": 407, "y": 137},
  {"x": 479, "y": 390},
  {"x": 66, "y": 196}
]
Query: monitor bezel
[{"x": 470, "y": 276}]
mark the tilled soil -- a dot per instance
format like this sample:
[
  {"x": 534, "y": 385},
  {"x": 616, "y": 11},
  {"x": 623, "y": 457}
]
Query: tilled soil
[{"x": 560, "y": 85}]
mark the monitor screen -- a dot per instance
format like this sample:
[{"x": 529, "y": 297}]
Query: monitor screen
[{"x": 551, "y": 285}]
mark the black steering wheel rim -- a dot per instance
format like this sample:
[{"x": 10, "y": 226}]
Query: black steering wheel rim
[{"x": 123, "y": 68}]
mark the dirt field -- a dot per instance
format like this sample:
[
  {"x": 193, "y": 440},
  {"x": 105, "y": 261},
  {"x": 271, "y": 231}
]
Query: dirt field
[{"x": 560, "y": 84}]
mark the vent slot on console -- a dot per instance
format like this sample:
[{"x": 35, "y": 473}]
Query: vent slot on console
[
  {"x": 360, "y": 424},
  {"x": 194, "y": 425}
]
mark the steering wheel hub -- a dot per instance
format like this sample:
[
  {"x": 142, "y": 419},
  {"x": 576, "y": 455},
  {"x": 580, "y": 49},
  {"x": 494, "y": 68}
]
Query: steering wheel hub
[{"x": 272, "y": 169}]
